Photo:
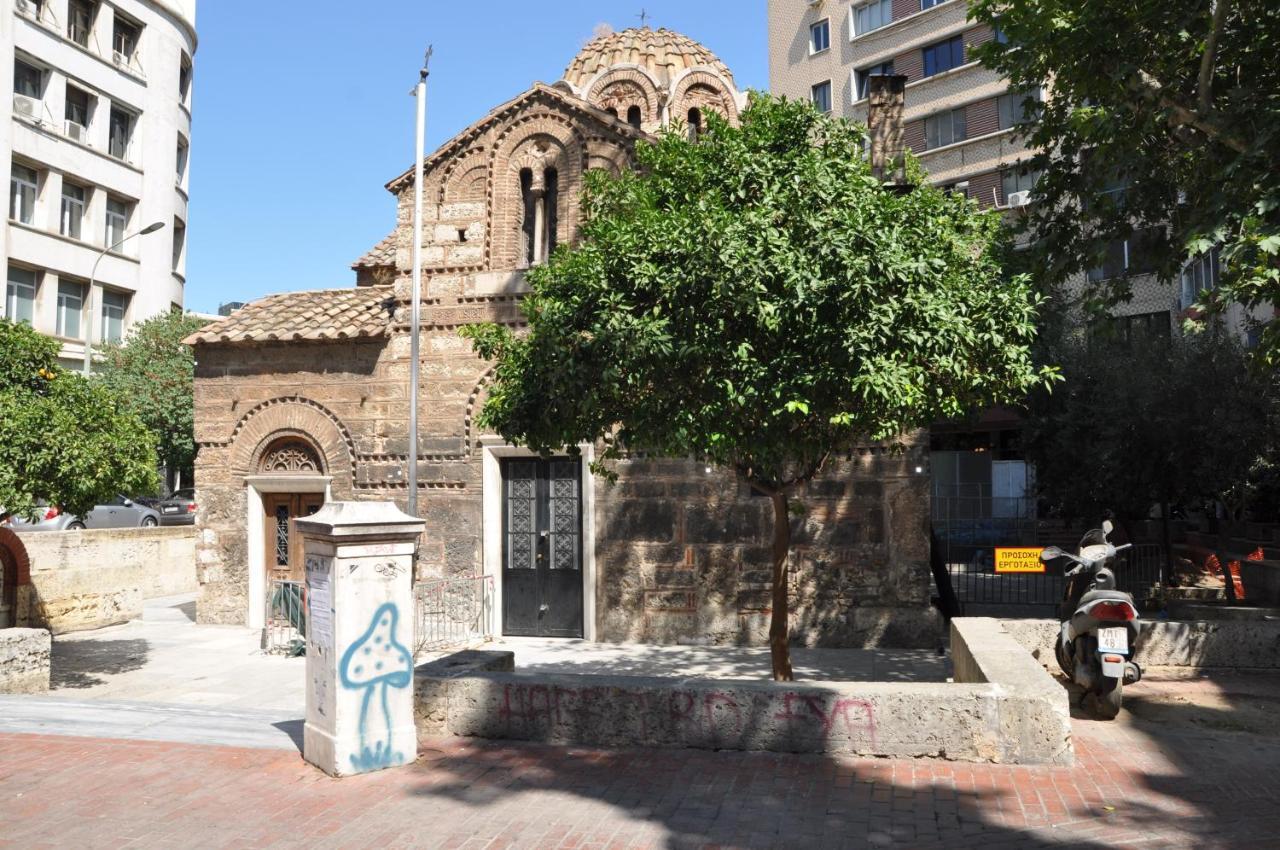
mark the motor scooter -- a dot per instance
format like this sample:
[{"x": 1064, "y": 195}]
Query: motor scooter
[{"x": 1099, "y": 623}]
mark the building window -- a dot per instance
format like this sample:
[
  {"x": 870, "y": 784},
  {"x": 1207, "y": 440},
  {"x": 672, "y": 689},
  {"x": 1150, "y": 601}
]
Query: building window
[
  {"x": 117, "y": 221},
  {"x": 33, "y": 9},
  {"x": 179, "y": 243},
  {"x": 541, "y": 205},
  {"x": 124, "y": 40},
  {"x": 20, "y": 295},
  {"x": 944, "y": 56},
  {"x": 946, "y": 128},
  {"x": 183, "y": 150},
  {"x": 821, "y": 94},
  {"x": 70, "y": 308},
  {"x": 114, "y": 306},
  {"x": 1019, "y": 108},
  {"x": 929, "y": 4},
  {"x": 695, "y": 124},
  {"x": 1200, "y": 275},
  {"x": 1017, "y": 180},
  {"x": 1142, "y": 328},
  {"x": 80, "y": 15},
  {"x": 74, "y": 199},
  {"x": 121, "y": 133},
  {"x": 863, "y": 77},
  {"x": 820, "y": 36},
  {"x": 77, "y": 114},
  {"x": 184, "y": 78},
  {"x": 23, "y": 184},
  {"x": 872, "y": 16},
  {"x": 1135, "y": 255},
  {"x": 634, "y": 116},
  {"x": 28, "y": 80}
]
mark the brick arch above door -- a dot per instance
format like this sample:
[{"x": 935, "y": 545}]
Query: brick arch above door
[{"x": 295, "y": 418}]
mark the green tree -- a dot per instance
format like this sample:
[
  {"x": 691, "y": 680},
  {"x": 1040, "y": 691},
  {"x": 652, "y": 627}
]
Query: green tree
[
  {"x": 758, "y": 300},
  {"x": 1147, "y": 422},
  {"x": 1162, "y": 116},
  {"x": 153, "y": 373},
  {"x": 67, "y": 441}
]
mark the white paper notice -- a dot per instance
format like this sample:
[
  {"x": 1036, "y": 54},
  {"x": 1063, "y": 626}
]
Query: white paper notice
[{"x": 320, "y": 595}]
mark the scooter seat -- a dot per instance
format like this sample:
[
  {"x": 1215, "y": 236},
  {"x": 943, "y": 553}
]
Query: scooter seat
[{"x": 1107, "y": 596}]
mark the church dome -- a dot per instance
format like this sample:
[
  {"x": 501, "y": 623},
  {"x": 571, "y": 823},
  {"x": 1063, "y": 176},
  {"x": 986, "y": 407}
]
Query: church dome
[{"x": 661, "y": 52}]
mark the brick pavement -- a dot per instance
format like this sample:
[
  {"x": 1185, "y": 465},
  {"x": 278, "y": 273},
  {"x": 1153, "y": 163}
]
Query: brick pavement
[{"x": 1136, "y": 784}]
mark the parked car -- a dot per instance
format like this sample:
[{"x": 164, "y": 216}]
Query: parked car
[
  {"x": 120, "y": 512},
  {"x": 178, "y": 509}
]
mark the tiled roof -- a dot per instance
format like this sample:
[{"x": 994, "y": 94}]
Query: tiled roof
[
  {"x": 661, "y": 52},
  {"x": 380, "y": 255},
  {"x": 325, "y": 314}
]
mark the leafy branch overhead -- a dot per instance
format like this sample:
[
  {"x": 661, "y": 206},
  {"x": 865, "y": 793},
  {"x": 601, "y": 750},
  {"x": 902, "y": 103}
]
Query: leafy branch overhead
[{"x": 1161, "y": 117}]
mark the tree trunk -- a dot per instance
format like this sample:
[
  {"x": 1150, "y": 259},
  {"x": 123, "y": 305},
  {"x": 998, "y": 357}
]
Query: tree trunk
[
  {"x": 779, "y": 627},
  {"x": 1166, "y": 539}
]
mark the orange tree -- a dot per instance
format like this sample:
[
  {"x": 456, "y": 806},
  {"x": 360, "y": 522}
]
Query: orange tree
[{"x": 758, "y": 300}]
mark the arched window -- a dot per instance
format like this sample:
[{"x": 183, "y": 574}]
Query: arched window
[
  {"x": 634, "y": 117},
  {"x": 695, "y": 124},
  {"x": 541, "y": 215},
  {"x": 612, "y": 111}
]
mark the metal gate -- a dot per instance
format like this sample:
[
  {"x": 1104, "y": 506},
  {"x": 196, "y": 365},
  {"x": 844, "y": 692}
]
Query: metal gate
[{"x": 966, "y": 533}]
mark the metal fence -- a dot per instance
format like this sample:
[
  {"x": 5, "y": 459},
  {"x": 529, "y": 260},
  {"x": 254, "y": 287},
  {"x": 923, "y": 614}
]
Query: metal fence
[
  {"x": 452, "y": 612},
  {"x": 1139, "y": 571},
  {"x": 286, "y": 622}
]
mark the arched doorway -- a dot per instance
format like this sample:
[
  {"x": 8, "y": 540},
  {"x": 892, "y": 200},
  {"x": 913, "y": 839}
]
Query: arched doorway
[{"x": 290, "y": 478}]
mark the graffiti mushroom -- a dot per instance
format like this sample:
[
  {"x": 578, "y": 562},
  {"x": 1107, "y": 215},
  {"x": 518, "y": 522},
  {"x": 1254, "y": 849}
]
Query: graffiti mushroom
[{"x": 375, "y": 663}]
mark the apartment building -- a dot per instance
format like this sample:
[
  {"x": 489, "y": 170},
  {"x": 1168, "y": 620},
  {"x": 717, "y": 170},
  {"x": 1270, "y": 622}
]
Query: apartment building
[{"x": 97, "y": 137}]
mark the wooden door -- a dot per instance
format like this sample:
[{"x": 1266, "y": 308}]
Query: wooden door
[
  {"x": 542, "y": 592},
  {"x": 284, "y": 547}
]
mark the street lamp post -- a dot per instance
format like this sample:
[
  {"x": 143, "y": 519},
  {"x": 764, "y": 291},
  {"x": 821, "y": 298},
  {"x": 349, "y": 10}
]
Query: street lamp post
[{"x": 88, "y": 334}]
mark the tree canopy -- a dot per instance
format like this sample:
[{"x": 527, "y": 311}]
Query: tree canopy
[
  {"x": 67, "y": 441},
  {"x": 757, "y": 299},
  {"x": 153, "y": 374},
  {"x": 1161, "y": 117}
]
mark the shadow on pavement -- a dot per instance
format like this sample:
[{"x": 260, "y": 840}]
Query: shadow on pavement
[
  {"x": 83, "y": 664},
  {"x": 292, "y": 728}
]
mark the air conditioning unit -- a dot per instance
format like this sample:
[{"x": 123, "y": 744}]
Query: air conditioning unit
[
  {"x": 1019, "y": 199},
  {"x": 25, "y": 106},
  {"x": 77, "y": 132},
  {"x": 121, "y": 60},
  {"x": 26, "y": 7}
]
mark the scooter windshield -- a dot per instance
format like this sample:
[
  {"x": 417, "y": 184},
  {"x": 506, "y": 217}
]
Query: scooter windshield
[{"x": 1095, "y": 537}]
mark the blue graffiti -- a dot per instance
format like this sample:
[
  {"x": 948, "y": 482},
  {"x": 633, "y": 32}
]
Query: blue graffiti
[{"x": 375, "y": 663}]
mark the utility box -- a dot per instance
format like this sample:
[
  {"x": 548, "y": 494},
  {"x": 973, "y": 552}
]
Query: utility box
[{"x": 359, "y": 573}]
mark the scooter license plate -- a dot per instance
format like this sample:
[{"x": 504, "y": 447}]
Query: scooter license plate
[{"x": 1113, "y": 640}]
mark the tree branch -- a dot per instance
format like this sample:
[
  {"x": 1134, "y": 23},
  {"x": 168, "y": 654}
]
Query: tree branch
[
  {"x": 1204, "y": 85},
  {"x": 1149, "y": 87}
]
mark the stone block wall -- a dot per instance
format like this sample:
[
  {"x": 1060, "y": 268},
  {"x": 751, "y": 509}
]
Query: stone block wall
[
  {"x": 24, "y": 661},
  {"x": 684, "y": 555},
  {"x": 94, "y": 578}
]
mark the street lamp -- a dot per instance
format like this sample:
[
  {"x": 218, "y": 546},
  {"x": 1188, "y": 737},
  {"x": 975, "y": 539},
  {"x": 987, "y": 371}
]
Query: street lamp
[{"x": 88, "y": 335}]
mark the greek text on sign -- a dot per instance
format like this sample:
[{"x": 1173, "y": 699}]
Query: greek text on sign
[{"x": 1019, "y": 559}]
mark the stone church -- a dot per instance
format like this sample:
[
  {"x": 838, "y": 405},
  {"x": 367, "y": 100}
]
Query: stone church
[{"x": 302, "y": 397}]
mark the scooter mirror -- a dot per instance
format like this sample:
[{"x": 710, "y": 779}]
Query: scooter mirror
[
  {"x": 1050, "y": 553},
  {"x": 1107, "y": 526}
]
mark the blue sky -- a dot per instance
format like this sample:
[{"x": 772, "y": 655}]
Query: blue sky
[{"x": 302, "y": 113}]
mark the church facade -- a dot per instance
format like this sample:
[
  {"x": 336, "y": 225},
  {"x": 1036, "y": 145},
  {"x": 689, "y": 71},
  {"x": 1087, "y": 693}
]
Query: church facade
[{"x": 302, "y": 397}]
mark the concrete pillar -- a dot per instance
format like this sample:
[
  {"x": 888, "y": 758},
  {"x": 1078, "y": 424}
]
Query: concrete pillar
[{"x": 360, "y": 624}]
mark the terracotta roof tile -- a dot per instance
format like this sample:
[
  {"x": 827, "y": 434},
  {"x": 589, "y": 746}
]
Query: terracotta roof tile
[
  {"x": 662, "y": 52},
  {"x": 380, "y": 255},
  {"x": 325, "y": 314}
]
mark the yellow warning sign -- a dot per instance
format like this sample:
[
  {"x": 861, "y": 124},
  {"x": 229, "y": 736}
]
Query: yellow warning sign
[{"x": 1018, "y": 560}]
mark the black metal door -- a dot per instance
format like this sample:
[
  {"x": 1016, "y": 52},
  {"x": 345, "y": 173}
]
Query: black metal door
[{"x": 542, "y": 548}]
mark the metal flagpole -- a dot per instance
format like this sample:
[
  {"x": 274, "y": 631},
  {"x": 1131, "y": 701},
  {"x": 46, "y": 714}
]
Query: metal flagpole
[{"x": 415, "y": 310}]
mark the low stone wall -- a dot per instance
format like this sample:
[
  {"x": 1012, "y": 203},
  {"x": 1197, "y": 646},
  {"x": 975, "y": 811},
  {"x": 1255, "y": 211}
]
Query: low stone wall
[
  {"x": 1002, "y": 708},
  {"x": 89, "y": 579},
  {"x": 1166, "y": 643},
  {"x": 24, "y": 661}
]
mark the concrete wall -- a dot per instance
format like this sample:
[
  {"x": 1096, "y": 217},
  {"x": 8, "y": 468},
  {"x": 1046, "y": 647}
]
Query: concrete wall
[
  {"x": 1218, "y": 643},
  {"x": 89, "y": 579},
  {"x": 24, "y": 661},
  {"x": 1003, "y": 708}
]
